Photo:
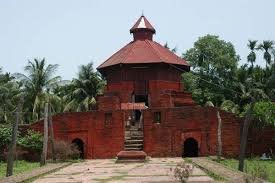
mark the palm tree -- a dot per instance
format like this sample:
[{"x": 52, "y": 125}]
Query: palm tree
[
  {"x": 9, "y": 95},
  {"x": 252, "y": 55},
  {"x": 38, "y": 84},
  {"x": 84, "y": 89},
  {"x": 266, "y": 46}
]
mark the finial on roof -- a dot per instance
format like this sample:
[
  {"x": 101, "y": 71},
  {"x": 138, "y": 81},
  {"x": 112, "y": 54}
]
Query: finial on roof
[
  {"x": 142, "y": 29},
  {"x": 142, "y": 14},
  {"x": 142, "y": 23}
]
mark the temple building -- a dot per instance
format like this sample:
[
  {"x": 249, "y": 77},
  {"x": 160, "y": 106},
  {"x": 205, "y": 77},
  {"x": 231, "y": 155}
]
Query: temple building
[{"x": 145, "y": 108}]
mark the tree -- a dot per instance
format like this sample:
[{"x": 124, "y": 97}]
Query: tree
[
  {"x": 219, "y": 130},
  {"x": 84, "y": 89},
  {"x": 251, "y": 58},
  {"x": 174, "y": 50},
  {"x": 45, "y": 136},
  {"x": 38, "y": 84},
  {"x": 214, "y": 64},
  {"x": 244, "y": 134},
  {"x": 266, "y": 46},
  {"x": 9, "y": 95}
]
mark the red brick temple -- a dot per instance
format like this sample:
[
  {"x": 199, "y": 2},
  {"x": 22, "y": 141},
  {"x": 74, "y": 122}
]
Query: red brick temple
[{"x": 144, "y": 107}]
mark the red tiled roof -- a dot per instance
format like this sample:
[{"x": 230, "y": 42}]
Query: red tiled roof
[
  {"x": 143, "y": 51},
  {"x": 142, "y": 23}
]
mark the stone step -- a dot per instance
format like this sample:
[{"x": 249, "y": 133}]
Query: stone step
[
  {"x": 130, "y": 141},
  {"x": 131, "y": 131},
  {"x": 134, "y": 138},
  {"x": 132, "y": 148},
  {"x": 132, "y": 145},
  {"x": 133, "y": 134},
  {"x": 131, "y": 156}
]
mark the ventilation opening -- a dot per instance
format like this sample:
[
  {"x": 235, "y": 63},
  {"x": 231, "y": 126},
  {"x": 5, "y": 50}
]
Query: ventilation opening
[
  {"x": 80, "y": 145},
  {"x": 190, "y": 148}
]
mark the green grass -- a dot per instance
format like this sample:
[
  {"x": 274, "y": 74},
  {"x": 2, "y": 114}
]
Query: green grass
[
  {"x": 18, "y": 167},
  {"x": 252, "y": 164}
]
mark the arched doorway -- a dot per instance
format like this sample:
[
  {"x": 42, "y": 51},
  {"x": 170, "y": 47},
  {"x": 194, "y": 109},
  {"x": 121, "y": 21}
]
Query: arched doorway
[
  {"x": 80, "y": 145},
  {"x": 190, "y": 148}
]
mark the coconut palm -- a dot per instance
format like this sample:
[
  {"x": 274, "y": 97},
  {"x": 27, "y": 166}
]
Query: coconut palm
[
  {"x": 9, "y": 95},
  {"x": 84, "y": 89},
  {"x": 38, "y": 83},
  {"x": 266, "y": 46},
  {"x": 252, "y": 55}
]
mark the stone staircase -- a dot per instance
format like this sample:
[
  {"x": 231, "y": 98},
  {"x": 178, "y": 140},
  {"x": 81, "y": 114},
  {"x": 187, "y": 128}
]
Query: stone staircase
[
  {"x": 133, "y": 147},
  {"x": 133, "y": 139}
]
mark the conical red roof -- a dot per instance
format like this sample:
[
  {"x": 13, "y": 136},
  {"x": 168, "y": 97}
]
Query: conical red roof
[
  {"x": 142, "y": 23},
  {"x": 143, "y": 51}
]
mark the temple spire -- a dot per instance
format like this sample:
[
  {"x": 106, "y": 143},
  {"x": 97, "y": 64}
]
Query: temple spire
[{"x": 142, "y": 29}]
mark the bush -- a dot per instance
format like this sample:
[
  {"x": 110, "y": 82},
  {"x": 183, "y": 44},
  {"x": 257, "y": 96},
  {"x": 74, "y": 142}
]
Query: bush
[
  {"x": 5, "y": 136},
  {"x": 29, "y": 145},
  {"x": 31, "y": 141},
  {"x": 65, "y": 151},
  {"x": 5, "y": 140},
  {"x": 183, "y": 171}
]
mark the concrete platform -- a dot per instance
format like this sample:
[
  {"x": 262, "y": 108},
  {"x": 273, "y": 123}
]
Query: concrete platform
[
  {"x": 131, "y": 156},
  {"x": 155, "y": 170}
]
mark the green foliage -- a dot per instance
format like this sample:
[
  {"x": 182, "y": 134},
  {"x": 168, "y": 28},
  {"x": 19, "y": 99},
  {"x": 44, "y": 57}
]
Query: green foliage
[
  {"x": 84, "y": 89},
  {"x": 5, "y": 136},
  {"x": 265, "y": 112},
  {"x": 214, "y": 65},
  {"x": 18, "y": 167},
  {"x": 267, "y": 46},
  {"x": 9, "y": 95},
  {"x": 38, "y": 83},
  {"x": 32, "y": 140},
  {"x": 255, "y": 167}
]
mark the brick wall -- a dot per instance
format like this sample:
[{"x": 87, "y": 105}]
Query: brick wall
[
  {"x": 101, "y": 140},
  {"x": 178, "y": 124}
]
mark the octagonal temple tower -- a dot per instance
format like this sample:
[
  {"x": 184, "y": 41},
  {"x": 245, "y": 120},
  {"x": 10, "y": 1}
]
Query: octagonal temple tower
[{"x": 145, "y": 71}]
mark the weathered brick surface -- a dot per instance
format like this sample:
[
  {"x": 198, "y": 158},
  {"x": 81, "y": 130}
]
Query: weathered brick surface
[
  {"x": 178, "y": 124},
  {"x": 101, "y": 140},
  {"x": 180, "y": 119}
]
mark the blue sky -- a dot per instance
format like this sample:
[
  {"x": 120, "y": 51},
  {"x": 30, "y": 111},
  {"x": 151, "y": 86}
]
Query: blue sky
[{"x": 75, "y": 32}]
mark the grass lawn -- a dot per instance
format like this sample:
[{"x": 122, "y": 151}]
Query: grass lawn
[
  {"x": 252, "y": 164},
  {"x": 20, "y": 166}
]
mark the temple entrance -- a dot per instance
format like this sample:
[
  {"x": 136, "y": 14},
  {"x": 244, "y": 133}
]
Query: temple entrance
[
  {"x": 80, "y": 145},
  {"x": 138, "y": 99},
  {"x": 190, "y": 148}
]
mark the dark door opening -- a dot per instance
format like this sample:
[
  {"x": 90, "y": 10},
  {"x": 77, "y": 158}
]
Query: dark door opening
[
  {"x": 80, "y": 146},
  {"x": 190, "y": 148},
  {"x": 140, "y": 98}
]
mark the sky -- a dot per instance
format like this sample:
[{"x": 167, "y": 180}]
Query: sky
[{"x": 75, "y": 32}]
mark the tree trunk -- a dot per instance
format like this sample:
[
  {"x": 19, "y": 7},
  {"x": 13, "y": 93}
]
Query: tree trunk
[
  {"x": 45, "y": 139},
  {"x": 12, "y": 148},
  {"x": 219, "y": 149},
  {"x": 246, "y": 124},
  {"x": 51, "y": 133}
]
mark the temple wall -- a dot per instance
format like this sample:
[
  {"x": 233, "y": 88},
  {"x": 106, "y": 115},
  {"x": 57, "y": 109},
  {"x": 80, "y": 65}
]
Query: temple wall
[
  {"x": 102, "y": 139},
  {"x": 105, "y": 138},
  {"x": 178, "y": 124}
]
